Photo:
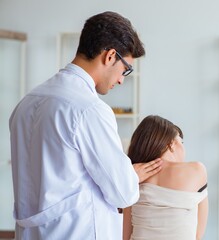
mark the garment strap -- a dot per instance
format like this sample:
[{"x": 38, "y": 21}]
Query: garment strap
[{"x": 203, "y": 188}]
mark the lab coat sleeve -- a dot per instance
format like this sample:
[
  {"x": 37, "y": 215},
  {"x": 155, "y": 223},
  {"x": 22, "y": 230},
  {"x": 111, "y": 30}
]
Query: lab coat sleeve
[{"x": 100, "y": 146}]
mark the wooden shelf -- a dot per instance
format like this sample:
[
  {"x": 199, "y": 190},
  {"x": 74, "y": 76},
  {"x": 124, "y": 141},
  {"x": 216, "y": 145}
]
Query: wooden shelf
[
  {"x": 126, "y": 115},
  {"x": 13, "y": 35},
  {"x": 7, "y": 234}
]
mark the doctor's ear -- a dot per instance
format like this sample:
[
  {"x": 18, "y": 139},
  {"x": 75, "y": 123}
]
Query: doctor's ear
[{"x": 110, "y": 55}]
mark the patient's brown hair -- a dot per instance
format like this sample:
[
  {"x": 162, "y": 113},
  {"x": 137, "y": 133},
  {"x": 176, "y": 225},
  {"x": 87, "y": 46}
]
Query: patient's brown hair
[{"x": 152, "y": 138}]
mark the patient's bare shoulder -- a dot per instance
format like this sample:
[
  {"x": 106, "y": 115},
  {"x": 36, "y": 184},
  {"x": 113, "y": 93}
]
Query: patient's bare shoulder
[
  {"x": 196, "y": 173},
  {"x": 198, "y": 168},
  {"x": 184, "y": 176}
]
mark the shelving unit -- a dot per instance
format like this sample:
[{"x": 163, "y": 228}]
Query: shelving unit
[
  {"x": 67, "y": 43},
  {"x": 12, "y": 88},
  {"x": 120, "y": 98}
]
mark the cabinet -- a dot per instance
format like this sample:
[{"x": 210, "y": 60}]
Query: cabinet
[
  {"x": 124, "y": 99},
  {"x": 12, "y": 87}
]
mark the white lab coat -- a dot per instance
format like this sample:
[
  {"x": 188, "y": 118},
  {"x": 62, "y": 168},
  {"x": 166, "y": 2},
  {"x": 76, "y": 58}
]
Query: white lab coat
[{"x": 69, "y": 171}]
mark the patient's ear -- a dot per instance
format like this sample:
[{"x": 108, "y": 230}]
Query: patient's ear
[
  {"x": 171, "y": 149},
  {"x": 171, "y": 146}
]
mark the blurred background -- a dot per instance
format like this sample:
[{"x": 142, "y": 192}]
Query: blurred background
[{"x": 178, "y": 78}]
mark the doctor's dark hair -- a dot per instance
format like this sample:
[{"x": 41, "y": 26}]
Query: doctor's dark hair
[
  {"x": 109, "y": 30},
  {"x": 152, "y": 138}
]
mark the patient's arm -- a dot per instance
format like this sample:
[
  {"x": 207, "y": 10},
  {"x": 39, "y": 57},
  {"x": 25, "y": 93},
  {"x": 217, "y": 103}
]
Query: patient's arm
[
  {"x": 127, "y": 224},
  {"x": 202, "y": 218}
]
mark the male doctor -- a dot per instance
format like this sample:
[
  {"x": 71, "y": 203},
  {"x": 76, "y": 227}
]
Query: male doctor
[{"x": 70, "y": 174}]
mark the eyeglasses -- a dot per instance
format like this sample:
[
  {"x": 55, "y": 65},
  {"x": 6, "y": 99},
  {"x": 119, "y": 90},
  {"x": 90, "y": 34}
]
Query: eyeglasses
[{"x": 128, "y": 66}]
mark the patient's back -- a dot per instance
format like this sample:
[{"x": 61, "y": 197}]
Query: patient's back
[{"x": 184, "y": 176}]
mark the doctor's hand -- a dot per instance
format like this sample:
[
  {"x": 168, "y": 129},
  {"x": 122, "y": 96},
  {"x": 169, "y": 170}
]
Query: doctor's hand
[{"x": 146, "y": 170}]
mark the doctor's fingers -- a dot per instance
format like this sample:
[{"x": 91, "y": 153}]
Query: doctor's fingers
[
  {"x": 149, "y": 166},
  {"x": 146, "y": 170},
  {"x": 153, "y": 165}
]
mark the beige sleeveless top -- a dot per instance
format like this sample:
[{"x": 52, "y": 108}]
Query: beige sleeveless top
[{"x": 165, "y": 214}]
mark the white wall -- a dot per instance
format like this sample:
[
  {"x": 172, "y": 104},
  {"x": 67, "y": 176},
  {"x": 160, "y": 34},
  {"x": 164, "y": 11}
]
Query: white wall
[{"x": 179, "y": 76}]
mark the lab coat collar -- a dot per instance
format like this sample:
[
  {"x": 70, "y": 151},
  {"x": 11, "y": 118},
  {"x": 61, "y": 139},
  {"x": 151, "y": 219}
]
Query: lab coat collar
[{"x": 80, "y": 72}]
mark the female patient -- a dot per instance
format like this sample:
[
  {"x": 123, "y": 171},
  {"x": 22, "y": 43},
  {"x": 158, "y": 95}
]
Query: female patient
[{"x": 173, "y": 204}]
